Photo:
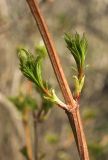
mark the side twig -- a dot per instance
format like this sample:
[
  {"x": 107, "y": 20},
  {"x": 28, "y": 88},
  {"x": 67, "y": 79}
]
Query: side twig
[
  {"x": 73, "y": 109},
  {"x": 34, "y": 153},
  {"x": 35, "y": 120}
]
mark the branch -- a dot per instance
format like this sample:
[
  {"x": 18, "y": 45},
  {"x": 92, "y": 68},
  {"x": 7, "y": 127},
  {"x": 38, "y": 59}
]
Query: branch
[
  {"x": 35, "y": 122},
  {"x": 27, "y": 134},
  {"x": 73, "y": 109}
]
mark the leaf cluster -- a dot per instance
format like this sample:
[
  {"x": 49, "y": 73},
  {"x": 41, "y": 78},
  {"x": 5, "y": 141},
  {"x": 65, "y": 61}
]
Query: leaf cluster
[
  {"x": 78, "y": 48},
  {"x": 30, "y": 65}
]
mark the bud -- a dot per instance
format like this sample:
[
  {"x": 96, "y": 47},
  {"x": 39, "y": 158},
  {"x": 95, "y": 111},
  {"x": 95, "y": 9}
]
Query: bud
[
  {"x": 41, "y": 49},
  {"x": 22, "y": 55}
]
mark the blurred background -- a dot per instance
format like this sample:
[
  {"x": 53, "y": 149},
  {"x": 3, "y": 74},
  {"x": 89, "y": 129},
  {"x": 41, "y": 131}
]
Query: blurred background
[{"x": 17, "y": 28}]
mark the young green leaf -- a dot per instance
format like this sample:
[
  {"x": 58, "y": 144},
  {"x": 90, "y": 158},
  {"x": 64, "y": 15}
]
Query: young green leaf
[
  {"x": 41, "y": 49},
  {"x": 78, "y": 48},
  {"x": 31, "y": 67},
  {"x": 78, "y": 86}
]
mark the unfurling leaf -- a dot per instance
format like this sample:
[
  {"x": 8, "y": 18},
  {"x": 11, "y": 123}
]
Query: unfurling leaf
[
  {"x": 78, "y": 48},
  {"x": 54, "y": 99},
  {"x": 78, "y": 85},
  {"x": 40, "y": 49},
  {"x": 82, "y": 83},
  {"x": 31, "y": 67}
]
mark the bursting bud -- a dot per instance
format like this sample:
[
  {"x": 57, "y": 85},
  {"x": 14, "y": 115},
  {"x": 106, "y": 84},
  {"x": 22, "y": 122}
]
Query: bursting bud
[{"x": 22, "y": 55}]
